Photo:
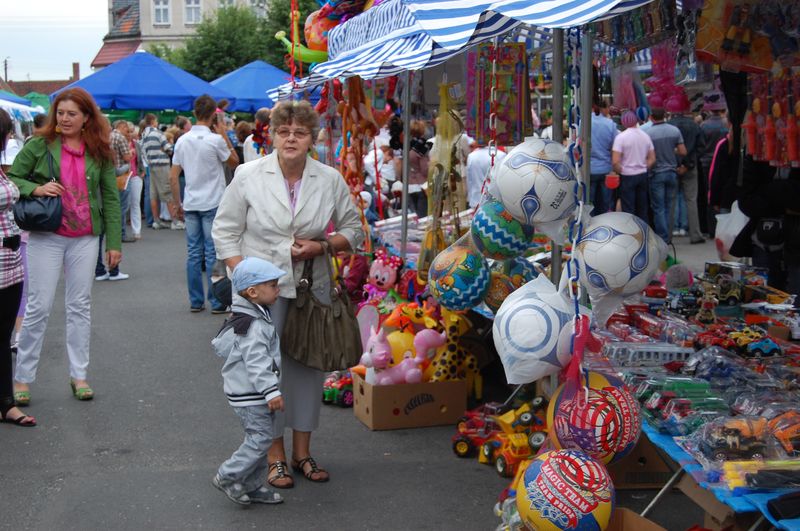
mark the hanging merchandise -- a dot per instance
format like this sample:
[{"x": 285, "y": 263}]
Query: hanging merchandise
[
  {"x": 617, "y": 256},
  {"x": 742, "y": 35},
  {"x": 771, "y": 122},
  {"x": 686, "y": 66},
  {"x": 459, "y": 276},
  {"x": 512, "y": 93},
  {"x": 600, "y": 417},
  {"x": 639, "y": 28},
  {"x": 628, "y": 90},
  {"x": 565, "y": 489},
  {"x": 496, "y": 233},
  {"x": 535, "y": 184}
]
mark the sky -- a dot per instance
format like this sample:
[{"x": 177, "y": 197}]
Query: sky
[{"x": 42, "y": 38}]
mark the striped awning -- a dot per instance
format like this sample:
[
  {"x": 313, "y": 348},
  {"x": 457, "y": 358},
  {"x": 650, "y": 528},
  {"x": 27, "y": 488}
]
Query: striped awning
[{"x": 401, "y": 35}]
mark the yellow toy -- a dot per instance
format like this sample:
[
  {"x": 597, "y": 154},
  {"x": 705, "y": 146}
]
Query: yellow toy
[{"x": 453, "y": 362}]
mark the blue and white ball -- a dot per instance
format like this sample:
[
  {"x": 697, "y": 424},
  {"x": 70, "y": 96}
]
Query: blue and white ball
[
  {"x": 618, "y": 254},
  {"x": 497, "y": 234},
  {"x": 536, "y": 182},
  {"x": 526, "y": 330}
]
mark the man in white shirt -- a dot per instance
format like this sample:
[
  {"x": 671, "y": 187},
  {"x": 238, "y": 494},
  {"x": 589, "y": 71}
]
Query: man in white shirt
[
  {"x": 200, "y": 154},
  {"x": 478, "y": 165},
  {"x": 251, "y": 149}
]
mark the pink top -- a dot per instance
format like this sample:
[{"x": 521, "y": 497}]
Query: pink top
[
  {"x": 77, "y": 213},
  {"x": 294, "y": 192},
  {"x": 633, "y": 144}
]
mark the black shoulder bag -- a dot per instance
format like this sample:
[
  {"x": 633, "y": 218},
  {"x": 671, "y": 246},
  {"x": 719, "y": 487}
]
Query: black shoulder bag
[{"x": 42, "y": 214}]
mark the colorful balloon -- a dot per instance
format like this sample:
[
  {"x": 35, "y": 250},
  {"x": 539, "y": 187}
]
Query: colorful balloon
[
  {"x": 605, "y": 422},
  {"x": 497, "y": 234},
  {"x": 459, "y": 276}
]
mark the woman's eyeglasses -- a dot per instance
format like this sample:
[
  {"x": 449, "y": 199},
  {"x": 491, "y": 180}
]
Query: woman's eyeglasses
[{"x": 299, "y": 134}]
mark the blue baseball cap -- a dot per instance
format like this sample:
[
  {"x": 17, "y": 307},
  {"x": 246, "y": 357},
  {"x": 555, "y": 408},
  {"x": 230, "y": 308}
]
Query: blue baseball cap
[{"x": 252, "y": 271}]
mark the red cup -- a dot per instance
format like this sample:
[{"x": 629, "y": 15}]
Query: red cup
[{"x": 612, "y": 181}]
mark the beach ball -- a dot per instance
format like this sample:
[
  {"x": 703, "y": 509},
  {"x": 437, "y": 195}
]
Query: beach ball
[
  {"x": 521, "y": 270},
  {"x": 605, "y": 424},
  {"x": 565, "y": 489},
  {"x": 459, "y": 276},
  {"x": 618, "y": 253},
  {"x": 497, "y": 234},
  {"x": 316, "y": 30},
  {"x": 536, "y": 182},
  {"x": 500, "y": 287},
  {"x": 525, "y": 332}
]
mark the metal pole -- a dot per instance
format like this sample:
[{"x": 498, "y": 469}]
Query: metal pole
[
  {"x": 406, "y": 162},
  {"x": 664, "y": 490},
  {"x": 587, "y": 90},
  {"x": 558, "y": 129}
]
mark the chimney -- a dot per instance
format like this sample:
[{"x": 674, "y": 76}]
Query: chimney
[{"x": 76, "y": 71}]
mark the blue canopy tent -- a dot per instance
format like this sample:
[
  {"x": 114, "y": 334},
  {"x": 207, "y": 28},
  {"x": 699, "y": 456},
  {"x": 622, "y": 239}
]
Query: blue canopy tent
[
  {"x": 249, "y": 85},
  {"x": 143, "y": 81},
  {"x": 7, "y": 96}
]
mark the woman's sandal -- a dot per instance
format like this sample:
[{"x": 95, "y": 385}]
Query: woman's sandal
[
  {"x": 299, "y": 466},
  {"x": 22, "y": 398},
  {"x": 81, "y": 393},
  {"x": 26, "y": 421},
  {"x": 280, "y": 469}
]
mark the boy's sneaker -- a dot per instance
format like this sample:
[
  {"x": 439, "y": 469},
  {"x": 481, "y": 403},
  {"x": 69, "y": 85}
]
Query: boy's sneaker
[
  {"x": 104, "y": 276},
  {"x": 157, "y": 226},
  {"x": 119, "y": 276},
  {"x": 265, "y": 495},
  {"x": 177, "y": 225},
  {"x": 234, "y": 491}
]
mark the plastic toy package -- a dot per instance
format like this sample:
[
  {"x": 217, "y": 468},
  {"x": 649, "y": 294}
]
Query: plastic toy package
[{"x": 634, "y": 354}]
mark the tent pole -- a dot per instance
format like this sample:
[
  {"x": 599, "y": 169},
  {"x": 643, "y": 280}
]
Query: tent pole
[
  {"x": 586, "y": 94},
  {"x": 558, "y": 129},
  {"x": 406, "y": 162}
]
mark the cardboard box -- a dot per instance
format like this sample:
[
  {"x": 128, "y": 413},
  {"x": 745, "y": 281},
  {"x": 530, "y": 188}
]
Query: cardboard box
[
  {"x": 627, "y": 520},
  {"x": 718, "y": 515},
  {"x": 643, "y": 468},
  {"x": 390, "y": 407}
]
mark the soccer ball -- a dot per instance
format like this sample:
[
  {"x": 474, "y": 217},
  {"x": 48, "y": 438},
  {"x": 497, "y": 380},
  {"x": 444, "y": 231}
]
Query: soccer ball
[
  {"x": 604, "y": 422},
  {"x": 565, "y": 489},
  {"x": 536, "y": 182},
  {"x": 618, "y": 253},
  {"x": 526, "y": 330}
]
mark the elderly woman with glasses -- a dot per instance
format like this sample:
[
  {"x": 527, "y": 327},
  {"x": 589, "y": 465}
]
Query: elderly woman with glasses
[{"x": 279, "y": 208}]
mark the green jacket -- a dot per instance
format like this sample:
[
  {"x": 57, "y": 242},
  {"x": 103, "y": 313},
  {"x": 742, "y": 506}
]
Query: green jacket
[{"x": 30, "y": 169}]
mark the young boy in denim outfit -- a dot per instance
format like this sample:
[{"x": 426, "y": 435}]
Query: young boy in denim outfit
[{"x": 251, "y": 375}]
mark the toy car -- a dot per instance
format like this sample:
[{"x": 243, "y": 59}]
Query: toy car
[
  {"x": 735, "y": 439},
  {"x": 515, "y": 449},
  {"x": 786, "y": 428},
  {"x": 481, "y": 414},
  {"x": 761, "y": 348},
  {"x": 745, "y": 336},
  {"x": 655, "y": 290},
  {"x": 471, "y": 437},
  {"x": 339, "y": 392}
]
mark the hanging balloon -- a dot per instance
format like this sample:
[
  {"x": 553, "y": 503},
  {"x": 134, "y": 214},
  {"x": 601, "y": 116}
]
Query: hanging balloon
[
  {"x": 526, "y": 329},
  {"x": 536, "y": 182},
  {"x": 500, "y": 287},
  {"x": 459, "y": 276},
  {"x": 565, "y": 489},
  {"x": 316, "y": 30},
  {"x": 605, "y": 424},
  {"x": 497, "y": 234},
  {"x": 521, "y": 270},
  {"x": 618, "y": 254}
]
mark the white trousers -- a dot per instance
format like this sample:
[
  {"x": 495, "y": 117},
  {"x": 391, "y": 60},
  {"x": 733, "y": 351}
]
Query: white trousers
[
  {"x": 134, "y": 201},
  {"x": 48, "y": 255}
]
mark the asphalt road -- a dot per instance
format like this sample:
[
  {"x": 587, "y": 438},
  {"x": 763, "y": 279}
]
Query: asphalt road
[{"x": 141, "y": 454}]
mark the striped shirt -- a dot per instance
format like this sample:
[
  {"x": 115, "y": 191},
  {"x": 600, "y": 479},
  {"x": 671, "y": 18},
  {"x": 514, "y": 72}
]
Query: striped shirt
[
  {"x": 10, "y": 261},
  {"x": 155, "y": 147}
]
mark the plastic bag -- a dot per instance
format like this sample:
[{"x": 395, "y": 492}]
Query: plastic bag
[{"x": 728, "y": 228}]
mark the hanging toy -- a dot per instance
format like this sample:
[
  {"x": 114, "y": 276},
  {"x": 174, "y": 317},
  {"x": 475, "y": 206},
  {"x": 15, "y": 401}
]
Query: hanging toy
[
  {"x": 298, "y": 51},
  {"x": 316, "y": 31}
]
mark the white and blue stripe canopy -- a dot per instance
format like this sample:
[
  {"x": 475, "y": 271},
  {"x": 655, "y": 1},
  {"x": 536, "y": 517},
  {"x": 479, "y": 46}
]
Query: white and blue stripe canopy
[{"x": 400, "y": 35}]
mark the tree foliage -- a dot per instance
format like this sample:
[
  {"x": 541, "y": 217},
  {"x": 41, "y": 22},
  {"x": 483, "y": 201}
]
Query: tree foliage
[{"x": 225, "y": 41}]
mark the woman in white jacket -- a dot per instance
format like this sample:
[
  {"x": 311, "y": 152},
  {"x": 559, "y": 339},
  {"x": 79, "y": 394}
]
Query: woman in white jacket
[{"x": 279, "y": 208}]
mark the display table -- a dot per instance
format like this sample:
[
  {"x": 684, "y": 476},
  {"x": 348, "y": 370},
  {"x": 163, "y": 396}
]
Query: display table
[{"x": 688, "y": 471}]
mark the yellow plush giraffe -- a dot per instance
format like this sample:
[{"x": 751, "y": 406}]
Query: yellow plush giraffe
[{"x": 451, "y": 361}]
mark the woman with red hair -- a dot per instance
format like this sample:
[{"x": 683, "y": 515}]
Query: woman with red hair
[{"x": 76, "y": 144}]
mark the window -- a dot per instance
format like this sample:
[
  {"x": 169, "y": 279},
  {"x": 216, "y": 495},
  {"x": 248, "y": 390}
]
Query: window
[
  {"x": 259, "y": 8},
  {"x": 192, "y": 12},
  {"x": 160, "y": 11},
  {"x": 225, "y": 3}
]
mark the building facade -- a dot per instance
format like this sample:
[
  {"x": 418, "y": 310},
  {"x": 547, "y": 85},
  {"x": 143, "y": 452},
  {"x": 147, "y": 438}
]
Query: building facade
[{"x": 141, "y": 24}]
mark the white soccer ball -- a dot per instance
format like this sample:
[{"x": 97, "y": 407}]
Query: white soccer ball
[
  {"x": 526, "y": 333},
  {"x": 536, "y": 182},
  {"x": 618, "y": 254}
]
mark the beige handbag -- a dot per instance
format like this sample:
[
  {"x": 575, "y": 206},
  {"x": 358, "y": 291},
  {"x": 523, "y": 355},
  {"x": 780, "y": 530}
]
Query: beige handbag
[{"x": 325, "y": 337}]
